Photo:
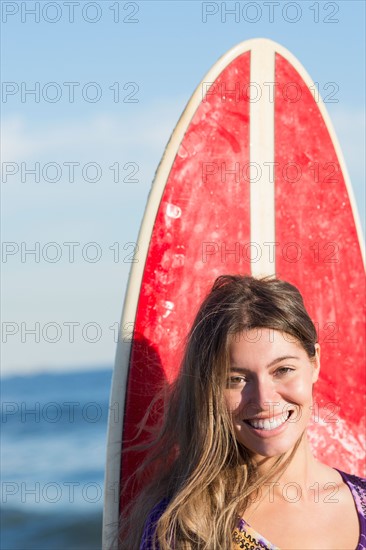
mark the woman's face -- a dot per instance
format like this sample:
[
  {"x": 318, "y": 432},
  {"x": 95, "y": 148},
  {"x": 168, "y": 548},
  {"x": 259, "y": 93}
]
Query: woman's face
[{"x": 269, "y": 390}]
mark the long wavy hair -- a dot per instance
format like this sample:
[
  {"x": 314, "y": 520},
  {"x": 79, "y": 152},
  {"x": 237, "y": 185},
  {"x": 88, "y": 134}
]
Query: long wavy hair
[{"x": 205, "y": 476}]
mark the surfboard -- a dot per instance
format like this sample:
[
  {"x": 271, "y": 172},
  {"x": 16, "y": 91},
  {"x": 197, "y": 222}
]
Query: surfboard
[{"x": 253, "y": 180}]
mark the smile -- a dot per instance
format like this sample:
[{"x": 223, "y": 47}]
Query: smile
[{"x": 268, "y": 424}]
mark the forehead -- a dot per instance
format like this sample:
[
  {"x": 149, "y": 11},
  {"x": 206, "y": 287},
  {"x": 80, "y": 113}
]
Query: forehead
[{"x": 262, "y": 345}]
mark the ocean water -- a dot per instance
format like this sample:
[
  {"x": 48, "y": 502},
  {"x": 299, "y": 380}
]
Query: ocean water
[{"x": 53, "y": 446}]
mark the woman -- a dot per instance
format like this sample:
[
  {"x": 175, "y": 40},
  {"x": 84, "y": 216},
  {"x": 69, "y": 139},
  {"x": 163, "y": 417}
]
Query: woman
[{"x": 233, "y": 467}]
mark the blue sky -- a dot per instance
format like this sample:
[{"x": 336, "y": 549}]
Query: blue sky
[{"x": 153, "y": 54}]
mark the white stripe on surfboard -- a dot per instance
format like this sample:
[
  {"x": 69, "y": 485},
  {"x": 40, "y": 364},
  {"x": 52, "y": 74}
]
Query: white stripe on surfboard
[{"x": 261, "y": 155}]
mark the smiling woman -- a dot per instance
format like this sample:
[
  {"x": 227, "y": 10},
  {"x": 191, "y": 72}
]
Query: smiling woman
[
  {"x": 233, "y": 467},
  {"x": 269, "y": 392}
]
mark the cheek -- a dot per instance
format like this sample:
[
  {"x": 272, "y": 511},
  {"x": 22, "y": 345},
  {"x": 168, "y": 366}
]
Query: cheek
[
  {"x": 233, "y": 401},
  {"x": 299, "y": 390}
]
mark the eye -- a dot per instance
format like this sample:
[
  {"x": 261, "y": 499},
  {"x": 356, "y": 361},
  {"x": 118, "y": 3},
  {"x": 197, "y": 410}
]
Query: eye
[
  {"x": 282, "y": 371},
  {"x": 236, "y": 381}
]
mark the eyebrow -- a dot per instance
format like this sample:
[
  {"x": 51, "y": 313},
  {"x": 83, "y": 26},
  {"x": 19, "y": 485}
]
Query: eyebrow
[{"x": 274, "y": 362}]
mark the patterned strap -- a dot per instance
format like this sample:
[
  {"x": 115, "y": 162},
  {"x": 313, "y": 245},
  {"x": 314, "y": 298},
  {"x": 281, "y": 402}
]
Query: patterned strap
[{"x": 245, "y": 537}]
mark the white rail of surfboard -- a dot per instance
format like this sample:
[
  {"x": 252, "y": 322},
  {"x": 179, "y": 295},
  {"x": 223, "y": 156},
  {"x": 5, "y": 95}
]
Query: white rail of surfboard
[{"x": 262, "y": 230}]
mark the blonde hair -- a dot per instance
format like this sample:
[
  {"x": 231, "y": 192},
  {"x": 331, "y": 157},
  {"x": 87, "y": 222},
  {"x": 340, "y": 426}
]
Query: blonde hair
[{"x": 199, "y": 468}]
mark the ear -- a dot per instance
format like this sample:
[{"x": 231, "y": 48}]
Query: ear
[{"x": 316, "y": 363}]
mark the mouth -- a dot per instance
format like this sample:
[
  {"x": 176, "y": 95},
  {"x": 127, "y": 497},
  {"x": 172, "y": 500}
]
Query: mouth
[{"x": 268, "y": 424}]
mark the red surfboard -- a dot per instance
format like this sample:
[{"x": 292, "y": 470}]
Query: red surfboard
[{"x": 252, "y": 181}]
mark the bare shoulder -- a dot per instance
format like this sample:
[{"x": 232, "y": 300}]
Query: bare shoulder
[
  {"x": 324, "y": 515},
  {"x": 342, "y": 507},
  {"x": 346, "y": 490},
  {"x": 346, "y": 482},
  {"x": 357, "y": 487}
]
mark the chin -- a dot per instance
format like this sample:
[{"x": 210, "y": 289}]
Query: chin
[
  {"x": 270, "y": 453},
  {"x": 269, "y": 449}
]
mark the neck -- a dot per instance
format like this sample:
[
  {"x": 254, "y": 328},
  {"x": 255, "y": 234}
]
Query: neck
[{"x": 301, "y": 468}]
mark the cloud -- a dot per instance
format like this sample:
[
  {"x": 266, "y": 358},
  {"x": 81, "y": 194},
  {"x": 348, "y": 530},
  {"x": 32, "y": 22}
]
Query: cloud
[
  {"x": 98, "y": 135},
  {"x": 105, "y": 212}
]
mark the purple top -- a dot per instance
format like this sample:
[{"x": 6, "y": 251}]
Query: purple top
[
  {"x": 358, "y": 490},
  {"x": 356, "y": 484}
]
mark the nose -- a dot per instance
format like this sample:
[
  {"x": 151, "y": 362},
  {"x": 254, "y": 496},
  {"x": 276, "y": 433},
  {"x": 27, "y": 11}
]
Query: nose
[{"x": 261, "y": 397}]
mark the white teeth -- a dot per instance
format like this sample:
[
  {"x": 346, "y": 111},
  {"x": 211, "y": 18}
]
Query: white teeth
[{"x": 268, "y": 424}]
